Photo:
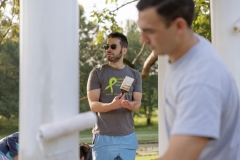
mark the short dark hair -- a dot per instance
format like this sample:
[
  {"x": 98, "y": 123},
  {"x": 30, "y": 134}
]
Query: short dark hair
[
  {"x": 122, "y": 37},
  {"x": 170, "y": 9}
]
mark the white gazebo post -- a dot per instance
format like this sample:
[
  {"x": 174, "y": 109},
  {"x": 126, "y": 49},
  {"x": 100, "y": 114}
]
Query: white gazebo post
[
  {"x": 48, "y": 74},
  {"x": 162, "y": 133},
  {"x": 225, "y": 26}
]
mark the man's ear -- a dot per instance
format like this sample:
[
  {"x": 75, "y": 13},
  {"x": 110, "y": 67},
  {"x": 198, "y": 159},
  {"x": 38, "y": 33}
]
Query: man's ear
[
  {"x": 180, "y": 25},
  {"x": 124, "y": 50}
]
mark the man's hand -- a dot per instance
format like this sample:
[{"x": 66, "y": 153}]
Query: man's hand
[
  {"x": 133, "y": 105},
  {"x": 96, "y": 106},
  {"x": 117, "y": 101},
  {"x": 130, "y": 105}
]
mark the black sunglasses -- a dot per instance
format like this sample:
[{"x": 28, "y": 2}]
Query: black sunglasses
[{"x": 113, "y": 46}]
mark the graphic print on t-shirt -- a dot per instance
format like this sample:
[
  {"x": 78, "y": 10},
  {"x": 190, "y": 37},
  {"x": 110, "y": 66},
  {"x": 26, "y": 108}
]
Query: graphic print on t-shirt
[
  {"x": 111, "y": 82},
  {"x": 114, "y": 82}
]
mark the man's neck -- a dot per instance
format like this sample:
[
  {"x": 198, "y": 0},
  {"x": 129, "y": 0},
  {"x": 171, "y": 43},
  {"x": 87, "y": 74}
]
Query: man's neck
[
  {"x": 186, "y": 43},
  {"x": 117, "y": 65}
]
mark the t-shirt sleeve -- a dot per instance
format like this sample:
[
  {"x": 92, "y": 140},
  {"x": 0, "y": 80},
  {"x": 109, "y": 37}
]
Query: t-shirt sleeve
[
  {"x": 138, "y": 83},
  {"x": 93, "y": 81},
  {"x": 198, "y": 111}
]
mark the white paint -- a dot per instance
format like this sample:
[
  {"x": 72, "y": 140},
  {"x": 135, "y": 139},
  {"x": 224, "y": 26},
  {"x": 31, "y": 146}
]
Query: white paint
[{"x": 48, "y": 73}]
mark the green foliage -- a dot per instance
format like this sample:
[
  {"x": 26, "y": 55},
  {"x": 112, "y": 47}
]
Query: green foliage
[
  {"x": 9, "y": 58},
  {"x": 102, "y": 18},
  {"x": 202, "y": 23},
  {"x": 90, "y": 54},
  {"x": 133, "y": 35},
  {"x": 150, "y": 96},
  {"x": 8, "y": 126},
  {"x": 9, "y": 23},
  {"x": 9, "y": 79},
  {"x": 106, "y": 19}
]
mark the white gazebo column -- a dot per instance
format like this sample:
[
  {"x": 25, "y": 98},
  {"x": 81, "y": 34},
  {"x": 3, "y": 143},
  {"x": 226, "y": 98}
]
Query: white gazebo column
[
  {"x": 162, "y": 134},
  {"x": 225, "y": 26},
  {"x": 48, "y": 74}
]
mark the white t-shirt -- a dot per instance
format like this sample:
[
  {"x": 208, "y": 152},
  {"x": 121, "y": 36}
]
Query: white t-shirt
[{"x": 201, "y": 99}]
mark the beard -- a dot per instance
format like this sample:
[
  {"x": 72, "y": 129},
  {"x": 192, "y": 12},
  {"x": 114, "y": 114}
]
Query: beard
[{"x": 115, "y": 58}]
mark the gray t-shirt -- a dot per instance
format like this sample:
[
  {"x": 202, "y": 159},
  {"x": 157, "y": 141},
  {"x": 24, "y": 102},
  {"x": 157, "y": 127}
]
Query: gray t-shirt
[
  {"x": 117, "y": 122},
  {"x": 201, "y": 99}
]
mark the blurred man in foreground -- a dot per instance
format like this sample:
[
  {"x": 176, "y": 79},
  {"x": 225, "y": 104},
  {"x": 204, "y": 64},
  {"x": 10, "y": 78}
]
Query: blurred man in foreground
[{"x": 202, "y": 113}]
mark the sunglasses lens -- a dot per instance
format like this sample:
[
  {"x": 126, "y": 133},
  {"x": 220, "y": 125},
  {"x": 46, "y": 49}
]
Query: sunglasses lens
[
  {"x": 105, "y": 47},
  {"x": 113, "y": 46}
]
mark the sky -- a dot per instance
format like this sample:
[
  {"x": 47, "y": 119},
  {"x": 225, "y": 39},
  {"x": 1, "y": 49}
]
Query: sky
[{"x": 127, "y": 12}]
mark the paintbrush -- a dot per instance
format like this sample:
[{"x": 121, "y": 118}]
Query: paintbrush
[{"x": 126, "y": 85}]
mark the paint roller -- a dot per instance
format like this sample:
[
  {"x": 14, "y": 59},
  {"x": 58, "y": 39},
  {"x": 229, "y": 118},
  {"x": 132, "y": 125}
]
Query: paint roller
[{"x": 55, "y": 130}]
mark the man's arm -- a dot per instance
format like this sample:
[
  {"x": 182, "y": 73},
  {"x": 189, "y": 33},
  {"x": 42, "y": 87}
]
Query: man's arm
[
  {"x": 184, "y": 147},
  {"x": 16, "y": 158},
  {"x": 135, "y": 104},
  {"x": 96, "y": 106}
]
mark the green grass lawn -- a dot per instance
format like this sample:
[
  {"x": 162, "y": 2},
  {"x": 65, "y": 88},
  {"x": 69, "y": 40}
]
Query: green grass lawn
[
  {"x": 146, "y": 157},
  {"x": 8, "y": 127},
  {"x": 141, "y": 130}
]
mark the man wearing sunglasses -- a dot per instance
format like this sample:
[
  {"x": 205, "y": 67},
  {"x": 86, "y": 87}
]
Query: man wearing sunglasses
[{"x": 114, "y": 137}]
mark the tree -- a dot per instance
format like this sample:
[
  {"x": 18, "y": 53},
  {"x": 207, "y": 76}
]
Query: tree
[
  {"x": 9, "y": 58},
  {"x": 9, "y": 24},
  {"x": 202, "y": 23},
  {"x": 106, "y": 28},
  {"x": 149, "y": 98},
  {"x": 137, "y": 56},
  {"x": 9, "y": 79},
  {"x": 91, "y": 54}
]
